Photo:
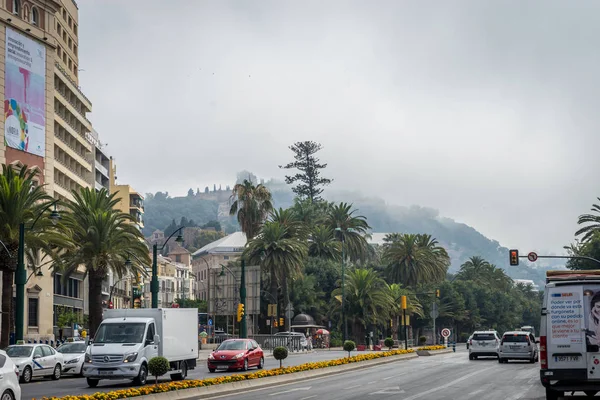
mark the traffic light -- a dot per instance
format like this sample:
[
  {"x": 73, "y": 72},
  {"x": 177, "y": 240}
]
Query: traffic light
[
  {"x": 281, "y": 322},
  {"x": 240, "y": 312},
  {"x": 275, "y": 323},
  {"x": 514, "y": 257},
  {"x": 404, "y": 303},
  {"x": 437, "y": 293}
]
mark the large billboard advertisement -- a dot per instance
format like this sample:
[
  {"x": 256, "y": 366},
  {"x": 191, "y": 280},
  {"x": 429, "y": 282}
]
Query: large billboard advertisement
[{"x": 25, "y": 94}]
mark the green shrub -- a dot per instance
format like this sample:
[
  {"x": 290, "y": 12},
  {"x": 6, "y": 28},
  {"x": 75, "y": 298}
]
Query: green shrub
[
  {"x": 280, "y": 353},
  {"x": 389, "y": 343},
  {"x": 349, "y": 345},
  {"x": 422, "y": 340},
  {"x": 158, "y": 366}
]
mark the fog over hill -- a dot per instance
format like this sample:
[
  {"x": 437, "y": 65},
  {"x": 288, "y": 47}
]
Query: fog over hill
[{"x": 460, "y": 240}]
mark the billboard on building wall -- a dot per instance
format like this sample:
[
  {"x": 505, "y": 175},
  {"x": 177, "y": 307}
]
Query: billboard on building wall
[{"x": 25, "y": 94}]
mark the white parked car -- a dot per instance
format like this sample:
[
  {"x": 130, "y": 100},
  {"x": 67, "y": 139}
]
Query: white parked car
[
  {"x": 36, "y": 360},
  {"x": 9, "y": 378},
  {"x": 74, "y": 355}
]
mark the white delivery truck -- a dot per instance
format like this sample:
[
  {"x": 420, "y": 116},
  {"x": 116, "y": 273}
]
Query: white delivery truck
[
  {"x": 570, "y": 333},
  {"x": 127, "y": 339}
]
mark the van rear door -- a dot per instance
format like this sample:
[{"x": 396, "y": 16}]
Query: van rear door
[{"x": 566, "y": 323}]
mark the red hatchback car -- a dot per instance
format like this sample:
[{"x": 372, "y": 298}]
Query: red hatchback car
[{"x": 236, "y": 354}]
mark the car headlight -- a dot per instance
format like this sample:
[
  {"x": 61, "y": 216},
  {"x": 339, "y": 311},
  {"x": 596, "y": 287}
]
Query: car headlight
[
  {"x": 73, "y": 361},
  {"x": 131, "y": 357},
  {"x": 240, "y": 355},
  {"x": 88, "y": 358},
  {"x": 211, "y": 357}
]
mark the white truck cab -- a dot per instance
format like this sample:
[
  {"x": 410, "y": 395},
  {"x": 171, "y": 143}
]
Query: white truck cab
[
  {"x": 128, "y": 339},
  {"x": 570, "y": 333}
]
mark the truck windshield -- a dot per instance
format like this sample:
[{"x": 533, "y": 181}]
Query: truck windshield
[{"x": 120, "y": 333}]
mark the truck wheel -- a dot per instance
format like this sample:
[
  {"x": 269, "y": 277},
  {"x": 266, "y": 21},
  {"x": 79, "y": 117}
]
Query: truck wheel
[
  {"x": 92, "y": 382},
  {"x": 183, "y": 374},
  {"x": 142, "y": 376},
  {"x": 552, "y": 394}
]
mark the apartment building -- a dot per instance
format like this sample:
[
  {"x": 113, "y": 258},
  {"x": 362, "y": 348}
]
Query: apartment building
[
  {"x": 218, "y": 277},
  {"x": 100, "y": 178}
]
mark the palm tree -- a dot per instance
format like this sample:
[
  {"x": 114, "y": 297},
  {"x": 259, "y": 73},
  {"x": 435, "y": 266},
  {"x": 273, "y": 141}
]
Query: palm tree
[
  {"x": 350, "y": 229},
  {"x": 104, "y": 239},
  {"x": 367, "y": 301},
  {"x": 412, "y": 259},
  {"x": 22, "y": 200},
  {"x": 252, "y": 205},
  {"x": 323, "y": 244},
  {"x": 279, "y": 254},
  {"x": 589, "y": 230},
  {"x": 473, "y": 268}
]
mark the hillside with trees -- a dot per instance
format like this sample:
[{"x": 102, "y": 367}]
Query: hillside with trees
[{"x": 460, "y": 240}]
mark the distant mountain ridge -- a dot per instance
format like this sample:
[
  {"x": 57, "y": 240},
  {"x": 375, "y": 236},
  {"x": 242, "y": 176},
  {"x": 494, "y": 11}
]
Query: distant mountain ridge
[{"x": 460, "y": 240}]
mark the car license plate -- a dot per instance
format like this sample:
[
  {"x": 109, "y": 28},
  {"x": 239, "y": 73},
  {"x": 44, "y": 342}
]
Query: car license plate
[
  {"x": 515, "y": 347},
  {"x": 566, "y": 358},
  {"x": 105, "y": 372}
]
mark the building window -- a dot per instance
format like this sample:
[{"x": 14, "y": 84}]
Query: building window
[
  {"x": 16, "y": 7},
  {"x": 64, "y": 14},
  {"x": 225, "y": 257},
  {"x": 177, "y": 258},
  {"x": 32, "y": 312},
  {"x": 26, "y": 12},
  {"x": 35, "y": 16}
]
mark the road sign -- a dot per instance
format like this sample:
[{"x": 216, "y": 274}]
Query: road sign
[
  {"x": 210, "y": 321},
  {"x": 434, "y": 312},
  {"x": 272, "y": 310},
  {"x": 532, "y": 256},
  {"x": 289, "y": 311},
  {"x": 446, "y": 332}
]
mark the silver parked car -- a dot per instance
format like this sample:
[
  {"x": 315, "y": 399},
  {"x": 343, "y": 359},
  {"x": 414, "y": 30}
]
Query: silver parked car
[
  {"x": 484, "y": 343},
  {"x": 518, "y": 345}
]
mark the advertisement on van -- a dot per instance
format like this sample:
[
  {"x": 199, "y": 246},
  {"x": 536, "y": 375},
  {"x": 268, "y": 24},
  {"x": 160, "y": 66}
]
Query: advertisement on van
[{"x": 567, "y": 311}]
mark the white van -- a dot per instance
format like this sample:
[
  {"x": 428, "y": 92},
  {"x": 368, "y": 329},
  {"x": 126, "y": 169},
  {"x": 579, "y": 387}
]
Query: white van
[{"x": 570, "y": 333}]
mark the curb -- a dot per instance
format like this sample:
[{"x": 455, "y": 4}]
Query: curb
[
  {"x": 433, "y": 352},
  {"x": 270, "y": 381}
]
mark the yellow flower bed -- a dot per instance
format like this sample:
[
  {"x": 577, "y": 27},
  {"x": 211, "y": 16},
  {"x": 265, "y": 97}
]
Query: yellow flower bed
[
  {"x": 188, "y": 384},
  {"x": 425, "y": 348}
]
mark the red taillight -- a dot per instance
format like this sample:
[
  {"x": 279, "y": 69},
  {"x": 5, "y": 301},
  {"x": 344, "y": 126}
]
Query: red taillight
[
  {"x": 528, "y": 341},
  {"x": 471, "y": 342},
  {"x": 543, "y": 353},
  {"x": 496, "y": 341},
  {"x": 501, "y": 342}
]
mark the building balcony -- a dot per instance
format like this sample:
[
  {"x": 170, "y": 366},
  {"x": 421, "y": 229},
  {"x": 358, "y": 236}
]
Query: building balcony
[
  {"x": 99, "y": 186},
  {"x": 73, "y": 86},
  {"x": 103, "y": 170}
]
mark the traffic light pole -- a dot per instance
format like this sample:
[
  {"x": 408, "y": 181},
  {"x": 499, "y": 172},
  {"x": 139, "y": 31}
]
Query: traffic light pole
[
  {"x": 514, "y": 257},
  {"x": 243, "y": 327}
]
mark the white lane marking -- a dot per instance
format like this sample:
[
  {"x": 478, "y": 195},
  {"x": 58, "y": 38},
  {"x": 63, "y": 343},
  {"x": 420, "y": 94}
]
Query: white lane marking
[
  {"x": 475, "y": 392},
  {"x": 370, "y": 383},
  {"x": 290, "y": 391},
  {"x": 389, "y": 377},
  {"x": 309, "y": 397},
  {"x": 352, "y": 387},
  {"x": 465, "y": 377},
  {"x": 390, "y": 390}
]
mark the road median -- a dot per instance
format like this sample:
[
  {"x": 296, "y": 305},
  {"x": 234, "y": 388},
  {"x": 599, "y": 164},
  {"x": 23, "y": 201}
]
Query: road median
[{"x": 230, "y": 384}]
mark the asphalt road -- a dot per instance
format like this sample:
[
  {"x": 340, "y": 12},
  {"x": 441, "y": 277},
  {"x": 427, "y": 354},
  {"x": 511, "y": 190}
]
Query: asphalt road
[
  {"x": 69, "y": 385},
  {"x": 442, "y": 377}
]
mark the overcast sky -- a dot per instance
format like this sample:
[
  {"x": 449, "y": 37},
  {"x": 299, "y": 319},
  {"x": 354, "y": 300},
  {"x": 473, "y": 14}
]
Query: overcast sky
[{"x": 485, "y": 110}]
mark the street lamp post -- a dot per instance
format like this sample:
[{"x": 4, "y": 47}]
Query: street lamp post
[
  {"x": 21, "y": 274},
  {"x": 345, "y": 330},
  {"x": 154, "y": 282},
  {"x": 243, "y": 326}
]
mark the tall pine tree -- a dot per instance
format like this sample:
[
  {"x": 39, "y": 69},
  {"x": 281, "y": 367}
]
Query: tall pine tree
[{"x": 309, "y": 183}]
